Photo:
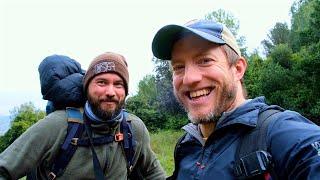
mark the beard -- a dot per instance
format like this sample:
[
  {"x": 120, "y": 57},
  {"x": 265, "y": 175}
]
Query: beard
[
  {"x": 105, "y": 114},
  {"x": 223, "y": 102}
]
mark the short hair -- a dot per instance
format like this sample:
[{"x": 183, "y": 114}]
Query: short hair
[{"x": 232, "y": 58}]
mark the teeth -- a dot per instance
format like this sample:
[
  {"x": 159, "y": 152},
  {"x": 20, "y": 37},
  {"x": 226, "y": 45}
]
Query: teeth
[{"x": 199, "y": 93}]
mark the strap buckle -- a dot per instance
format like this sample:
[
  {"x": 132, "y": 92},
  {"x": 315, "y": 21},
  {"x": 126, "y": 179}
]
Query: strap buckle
[
  {"x": 130, "y": 168},
  {"x": 255, "y": 163},
  {"x": 52, "y": 176},
  {"x": 74, "y": 141},
  {"x": 118, "y": 137}
]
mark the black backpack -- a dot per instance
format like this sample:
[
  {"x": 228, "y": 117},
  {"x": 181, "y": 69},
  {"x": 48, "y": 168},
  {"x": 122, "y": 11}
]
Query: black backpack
[
  {"x": 76, "y": 127},
  {"x": 253, "y": 161}
]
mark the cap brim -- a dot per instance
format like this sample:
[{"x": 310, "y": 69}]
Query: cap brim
[{"x": 165, "y": 38}]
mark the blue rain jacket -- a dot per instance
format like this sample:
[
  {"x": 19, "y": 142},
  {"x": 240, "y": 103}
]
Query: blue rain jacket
[{"x": 293, "y": 141}]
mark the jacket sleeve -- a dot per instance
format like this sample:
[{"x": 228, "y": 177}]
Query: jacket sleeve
[
  {"x": 294, "y": 142},
  {"x": 30, "y": 149},
  {"x": 147, "y": 162}
]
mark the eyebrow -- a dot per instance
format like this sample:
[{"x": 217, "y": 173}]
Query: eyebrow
[{"x": 119, "y": 81}]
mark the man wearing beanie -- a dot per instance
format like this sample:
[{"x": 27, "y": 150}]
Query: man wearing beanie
[{"x": 114, "y": 144}]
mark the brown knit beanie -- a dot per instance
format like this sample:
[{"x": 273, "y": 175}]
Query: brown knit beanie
[{"x": 105, "y": 63}]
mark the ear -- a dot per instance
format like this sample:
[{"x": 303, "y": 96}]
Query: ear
[{"x": 240, "y": 68}]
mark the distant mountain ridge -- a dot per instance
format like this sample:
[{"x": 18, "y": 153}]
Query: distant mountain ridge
[{"x": 5, "y": 123}]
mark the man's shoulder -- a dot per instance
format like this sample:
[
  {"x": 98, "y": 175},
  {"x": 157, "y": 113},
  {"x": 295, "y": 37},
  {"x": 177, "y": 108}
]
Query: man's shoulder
[
  {"x": 138, "y": 126},
  {"x": 56, "y": 119},
  {"x": 57, "y": 115},
  {"x": 292, "y": 119},
  {"x": 133, "y": 119}
]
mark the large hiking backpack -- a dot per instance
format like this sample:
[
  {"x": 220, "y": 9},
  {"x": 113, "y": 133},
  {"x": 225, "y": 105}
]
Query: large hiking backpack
[
  {"x": 76, "y": 127},
  {"x": 253, "y": 161}
]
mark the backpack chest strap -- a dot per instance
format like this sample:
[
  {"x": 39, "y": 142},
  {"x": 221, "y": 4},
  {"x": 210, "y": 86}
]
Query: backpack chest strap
[{"x": 95, "y": 141}]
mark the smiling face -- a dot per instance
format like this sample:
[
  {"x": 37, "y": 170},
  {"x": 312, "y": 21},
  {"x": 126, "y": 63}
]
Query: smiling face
[
  {"x": 106, "y": 95},
  {"x": 203, "y": 80}
]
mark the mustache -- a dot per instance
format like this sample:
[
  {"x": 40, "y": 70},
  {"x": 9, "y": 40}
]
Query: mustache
[{"x": 109, "y": 99}]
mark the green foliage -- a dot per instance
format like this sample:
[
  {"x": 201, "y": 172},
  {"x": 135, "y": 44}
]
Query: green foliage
[
  {"x": 167, "y": 103},
  {"x": 163, "y": 143},
  {"x": 23, "y": 117},
  {"x": 252, "y": 77},
  {"x": 277, "y": 35},
  {"x": 176, "y": 122},
  {"x": 276, "y": 80},
  {"x": 145, "y": 104},
  {"x": 156, "y": 112},
  {"x": 290, "y": 76},
  {"x": 150, "y": 115},
  {"x": 310, "y": 80},
  {"x": 147, "y": 89},
  {"x": 282, "y": 55},
  {"x": 305, "y": 13}
]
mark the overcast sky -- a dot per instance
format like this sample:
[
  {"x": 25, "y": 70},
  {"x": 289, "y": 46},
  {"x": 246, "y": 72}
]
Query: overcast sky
[{"x": 33, "y": 29}]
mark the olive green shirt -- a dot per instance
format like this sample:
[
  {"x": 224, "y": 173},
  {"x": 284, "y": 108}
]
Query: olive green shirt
[{"x": 39, "y": 145}]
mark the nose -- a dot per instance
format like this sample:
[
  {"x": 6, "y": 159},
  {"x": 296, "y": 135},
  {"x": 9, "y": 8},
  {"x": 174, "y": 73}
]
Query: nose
[
  {"x": 192, "y": 75},
  {"x": 110, "y": 91}
]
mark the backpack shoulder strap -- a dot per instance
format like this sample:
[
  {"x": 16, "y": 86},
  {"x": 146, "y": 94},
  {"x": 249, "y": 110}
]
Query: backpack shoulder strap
[
  {"x": 74, "y": 132},
  {"x": 134, "y": 172},
  {"x": 252, "y": 157},
  {"x": 177, "y": 158},
  {"x": 128, "y": 140}
]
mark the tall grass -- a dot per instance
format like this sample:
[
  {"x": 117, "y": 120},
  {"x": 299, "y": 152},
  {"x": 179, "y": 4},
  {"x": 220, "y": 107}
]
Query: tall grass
[{"x": 163, "y": 143}]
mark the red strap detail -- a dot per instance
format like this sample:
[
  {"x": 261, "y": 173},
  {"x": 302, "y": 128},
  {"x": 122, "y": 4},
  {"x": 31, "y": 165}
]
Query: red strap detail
[
  {"x": 118, "y": 137},
  {"x": 267, "y": 176}
]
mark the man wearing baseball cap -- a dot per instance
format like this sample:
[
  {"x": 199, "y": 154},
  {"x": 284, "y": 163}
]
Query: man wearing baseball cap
[
  {"x": 114, "y": 144},
  {"x": 221, "y": 140}
]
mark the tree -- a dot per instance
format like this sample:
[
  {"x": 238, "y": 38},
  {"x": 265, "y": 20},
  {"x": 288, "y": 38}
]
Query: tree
[
  {"x": 23, "y": 117},
  {"x": 167, "y": 102},
  {"x": 145, "y": 104},
  {"x": 252, "y": 77},
  {"x": 282, "y": 55},
  {"x": 304, "y": 14},
  {"x": 305, "y": 42},
  {"x": 147, "y": 89},
  {"x": 279, "y": 34},
  {"x": 290, "y": 76},
  {"x": 149, "y": 114}
]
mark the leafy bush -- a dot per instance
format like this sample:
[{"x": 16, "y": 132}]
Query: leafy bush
[{"x": 23, "y": 117}]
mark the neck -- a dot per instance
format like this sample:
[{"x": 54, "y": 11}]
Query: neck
[
  {"x": 240, "y": 99},
  {"x": 98, "y": 120},
  {"x": 207, "y": 129}
]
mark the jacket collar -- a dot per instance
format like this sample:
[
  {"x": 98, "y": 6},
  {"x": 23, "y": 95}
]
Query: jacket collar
[{"x": 246, "y": 114}]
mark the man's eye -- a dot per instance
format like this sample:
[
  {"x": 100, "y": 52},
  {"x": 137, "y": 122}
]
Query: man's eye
[
  {"x": 101, "y": 83},
  {"x": 119, "y": 85},
  {"x": 177, "y": 67},
  {"x": 205, "y": 61}
]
